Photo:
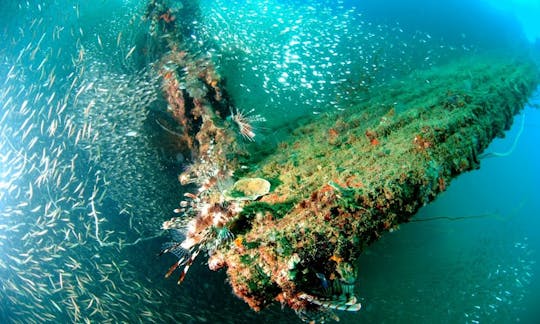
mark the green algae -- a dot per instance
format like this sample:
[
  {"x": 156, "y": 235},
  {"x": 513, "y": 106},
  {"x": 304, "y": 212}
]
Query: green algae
[{"x": 340, "y": 181}]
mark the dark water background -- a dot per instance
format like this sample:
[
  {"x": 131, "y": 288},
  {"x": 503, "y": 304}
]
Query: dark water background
[{"x": 469, "y": 256}]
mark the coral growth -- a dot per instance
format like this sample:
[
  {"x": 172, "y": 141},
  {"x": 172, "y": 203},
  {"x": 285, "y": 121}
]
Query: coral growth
[{"x": 373, "y": 172}]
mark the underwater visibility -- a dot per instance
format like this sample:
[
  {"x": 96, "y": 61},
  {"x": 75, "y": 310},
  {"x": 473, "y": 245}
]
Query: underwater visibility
[{"x": 287, "y": 161}]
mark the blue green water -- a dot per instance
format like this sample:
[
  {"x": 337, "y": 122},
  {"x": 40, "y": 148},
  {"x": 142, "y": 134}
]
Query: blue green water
[
  {"x": 86, "y": 177},
  {"x": 471, "y": 255}
]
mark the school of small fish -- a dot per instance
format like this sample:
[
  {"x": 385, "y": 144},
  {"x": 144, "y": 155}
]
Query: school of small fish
[
  {"x": 309, "y": 57},
  {"x": 81, "y": 184}
]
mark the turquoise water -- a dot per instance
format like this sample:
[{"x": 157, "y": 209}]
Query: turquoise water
[{"x": 87, "y": 176}]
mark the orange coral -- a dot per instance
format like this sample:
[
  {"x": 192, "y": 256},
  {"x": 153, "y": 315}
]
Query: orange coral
[
  {"x": 333, "y": 135},
  {"x": 239, "y": 242},
  {"x": 167, "y": 17},
  {"x": 336, "y": 259},
  {"x": 421, "y": 142},
  {"x": 372, "y": 137}
]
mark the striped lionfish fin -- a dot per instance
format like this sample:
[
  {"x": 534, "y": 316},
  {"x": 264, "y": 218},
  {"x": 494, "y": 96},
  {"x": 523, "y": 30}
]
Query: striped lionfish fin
[
  {"x": 180, "y": 261},
  {"x": 350, "y": 305},
  {"x": 182, "y": 254}
]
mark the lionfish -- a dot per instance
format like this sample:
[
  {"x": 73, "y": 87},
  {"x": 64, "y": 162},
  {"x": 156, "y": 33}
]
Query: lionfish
[
  {"x": 206, "y": 231},
  {"x": 244, "y": 121},
  {"x": 336, "y": 294}
]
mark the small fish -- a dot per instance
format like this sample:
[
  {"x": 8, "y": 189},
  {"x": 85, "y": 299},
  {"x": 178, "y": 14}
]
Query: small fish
[
  {"x": 24, "y": 104},
  {"x": 130, "y": 51},
  {"x": 40, "y": 66},
  {"x": 81, "y": 54}
]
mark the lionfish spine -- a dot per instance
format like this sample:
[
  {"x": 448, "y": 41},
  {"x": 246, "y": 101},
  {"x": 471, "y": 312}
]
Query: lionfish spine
[
  {"x": 172, "y": 268},
  {"x": 176, "y": 265},
  {"x": 188, "y": 264}
]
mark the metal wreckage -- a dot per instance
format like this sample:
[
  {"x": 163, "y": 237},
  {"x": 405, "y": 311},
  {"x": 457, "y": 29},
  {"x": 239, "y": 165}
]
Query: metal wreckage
[{"x": 289, "y": 226}]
